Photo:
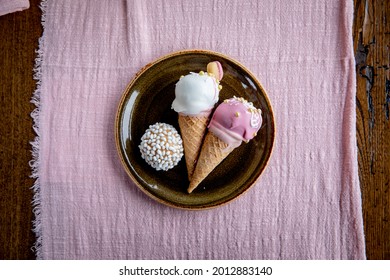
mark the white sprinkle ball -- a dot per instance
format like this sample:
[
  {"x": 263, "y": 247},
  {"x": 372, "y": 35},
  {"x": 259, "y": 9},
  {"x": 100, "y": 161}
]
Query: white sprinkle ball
[{"x": 161, "y": 146}]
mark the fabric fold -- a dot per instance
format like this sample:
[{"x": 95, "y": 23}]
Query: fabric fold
[{"x": 11, "y": 6}]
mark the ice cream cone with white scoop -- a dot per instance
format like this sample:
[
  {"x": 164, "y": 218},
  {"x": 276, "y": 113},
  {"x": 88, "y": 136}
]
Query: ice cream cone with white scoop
[{"x": 195, "y": 97}]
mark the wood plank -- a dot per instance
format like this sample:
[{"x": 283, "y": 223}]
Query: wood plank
[
  {"x": 19, "y": 40},
  {"x": 371, "y": 42}
]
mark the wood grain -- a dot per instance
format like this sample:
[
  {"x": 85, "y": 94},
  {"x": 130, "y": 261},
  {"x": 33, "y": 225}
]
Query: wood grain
[
  {"x": 19, "y": 33},
  {"x": 19, "y": 40},
  {"x": 371, "y": 41}
]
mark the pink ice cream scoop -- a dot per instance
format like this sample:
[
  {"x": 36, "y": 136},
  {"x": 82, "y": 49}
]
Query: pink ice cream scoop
[{"x": 235, "y": 120}]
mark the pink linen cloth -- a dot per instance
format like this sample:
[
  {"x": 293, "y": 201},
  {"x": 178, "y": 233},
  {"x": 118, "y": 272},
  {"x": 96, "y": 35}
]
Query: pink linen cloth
[
  {"x": 306, "y": 205},
  {"x": 11, "y": 6}
]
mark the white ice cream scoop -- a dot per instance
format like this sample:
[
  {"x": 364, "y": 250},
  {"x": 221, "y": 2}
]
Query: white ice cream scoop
[{"x": 195, "y": 94}]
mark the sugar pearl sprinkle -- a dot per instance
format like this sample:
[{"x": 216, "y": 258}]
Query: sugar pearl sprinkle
[{"x": 161, "y": 146}]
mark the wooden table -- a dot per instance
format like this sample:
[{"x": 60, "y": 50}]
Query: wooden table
[{"x": 19, "y": 33}]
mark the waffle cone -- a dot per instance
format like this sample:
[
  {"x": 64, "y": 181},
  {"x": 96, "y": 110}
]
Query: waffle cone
[
  {"x": 213, "y": 152},
  {"x": 193, "y": 129}
]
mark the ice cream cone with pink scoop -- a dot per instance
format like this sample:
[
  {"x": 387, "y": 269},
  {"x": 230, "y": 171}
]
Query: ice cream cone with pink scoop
[
  {"x": 235, "y": 120},
  {"x": 195, "y": 97}
]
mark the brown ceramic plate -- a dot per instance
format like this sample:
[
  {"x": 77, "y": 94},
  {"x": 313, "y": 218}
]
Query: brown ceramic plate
[{"x": 147, "y": 100}]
